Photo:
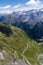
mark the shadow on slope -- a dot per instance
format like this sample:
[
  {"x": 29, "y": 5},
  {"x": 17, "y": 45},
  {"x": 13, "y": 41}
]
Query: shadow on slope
[{"x": 6, "y": 30}]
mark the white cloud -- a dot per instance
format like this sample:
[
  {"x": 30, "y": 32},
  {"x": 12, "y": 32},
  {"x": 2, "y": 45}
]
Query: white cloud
[
  {"x": 5, "y": 11},
  {"x": 8, "y": 6},
  {"x": 32, "y": 4},
  {"x": 5, "y": 7},
  {"x": 16, "y": 6}
]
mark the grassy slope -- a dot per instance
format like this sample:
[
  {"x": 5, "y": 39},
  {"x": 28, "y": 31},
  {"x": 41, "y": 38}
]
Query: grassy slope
[{"x": 18, "y": 41}]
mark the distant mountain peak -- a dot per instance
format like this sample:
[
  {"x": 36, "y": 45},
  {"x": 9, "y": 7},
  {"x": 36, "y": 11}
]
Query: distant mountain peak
[{"x": 26, "y": 20}]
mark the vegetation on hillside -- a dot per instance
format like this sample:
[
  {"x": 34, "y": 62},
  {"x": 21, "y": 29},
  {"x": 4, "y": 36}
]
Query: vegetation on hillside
[{"x": 14, "y": 39}]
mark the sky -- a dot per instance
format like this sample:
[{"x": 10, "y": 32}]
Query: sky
[{"x": 8, "y": 6}]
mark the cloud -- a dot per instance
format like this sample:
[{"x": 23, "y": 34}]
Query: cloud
[
  {"x": 16, "y": 6},
  {"x": 5, "y": 11},
  {"x": 32, "y": 4},
  {"x": 8, "y": 6},
  {"x": 5, "y": 7}
]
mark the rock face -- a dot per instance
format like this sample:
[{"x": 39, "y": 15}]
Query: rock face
[
  {"x": 41, "y": 58},
  {"x": 19, "y": 62},
  {"x": 30, "y": 21},
  {"x": 1, "y": 56}
]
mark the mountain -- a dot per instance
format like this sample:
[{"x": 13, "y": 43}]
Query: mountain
[
  {"x": 27, "y": 20},
  {"x": 2, "y": 17},
  {"x": 15, "y": 43}
]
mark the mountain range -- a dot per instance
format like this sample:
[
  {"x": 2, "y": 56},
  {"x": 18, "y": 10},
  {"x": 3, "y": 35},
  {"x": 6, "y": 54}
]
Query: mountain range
[{"x": 30, "y": 21}]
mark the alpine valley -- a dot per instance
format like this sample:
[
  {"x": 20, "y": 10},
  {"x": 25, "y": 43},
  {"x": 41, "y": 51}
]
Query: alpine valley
[{"x": 21, "y": 38}]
